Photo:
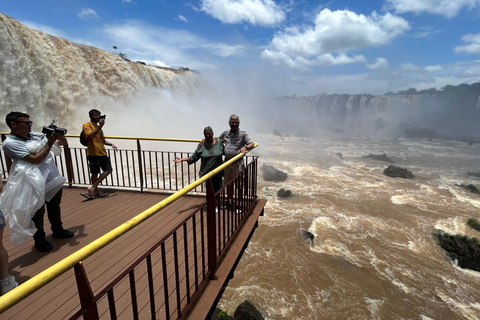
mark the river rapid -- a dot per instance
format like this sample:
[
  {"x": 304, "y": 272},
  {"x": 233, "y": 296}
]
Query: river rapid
[{"x": 373, "y": 255}]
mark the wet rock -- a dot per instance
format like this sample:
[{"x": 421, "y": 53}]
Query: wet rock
[
  {"x": 247, "y": 311},
  {"x": 284, "y": 193},
  {"x": 461, "y": 248},
  {"x": 470, "y": 188},
  {"x": 277, "y": 133},
  {"x": 379, "y": 157},
  {"x": 397, "y": 172},
  {"x": 473, "y": 223},
  {"x": 473, "y": 174},
  {"x": 307, "y": 236},
  {"x": 272, "y": 174}
]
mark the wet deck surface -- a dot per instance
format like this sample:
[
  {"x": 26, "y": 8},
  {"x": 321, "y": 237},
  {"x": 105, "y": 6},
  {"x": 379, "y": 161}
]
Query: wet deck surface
[{"x": 89, "y": 220}]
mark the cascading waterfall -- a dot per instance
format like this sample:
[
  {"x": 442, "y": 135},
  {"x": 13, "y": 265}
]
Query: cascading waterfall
[
  {"x": 50, "y": 77},
  {"x": 390, "y": 114}
]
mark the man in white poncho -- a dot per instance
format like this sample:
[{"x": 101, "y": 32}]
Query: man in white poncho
[{"x": 33, "y": 181}]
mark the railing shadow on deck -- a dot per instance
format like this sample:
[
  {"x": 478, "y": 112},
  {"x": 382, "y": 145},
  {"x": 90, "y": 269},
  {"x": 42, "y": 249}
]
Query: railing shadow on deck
[{"x": 172, "y": 271}]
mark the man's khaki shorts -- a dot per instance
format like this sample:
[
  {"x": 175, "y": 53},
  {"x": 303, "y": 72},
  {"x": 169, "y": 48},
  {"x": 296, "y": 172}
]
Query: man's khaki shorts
[{"x": 232, "y": 170}]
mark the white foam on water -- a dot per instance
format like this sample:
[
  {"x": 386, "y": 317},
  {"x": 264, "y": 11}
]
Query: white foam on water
[
  {"x": 374, "y": 306},
  {"x": 469, "y": 310}
]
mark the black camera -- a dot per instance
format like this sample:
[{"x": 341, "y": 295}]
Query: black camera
[
  {"x": 103, "y": 116},
  {"x": 53, "y": 129}
]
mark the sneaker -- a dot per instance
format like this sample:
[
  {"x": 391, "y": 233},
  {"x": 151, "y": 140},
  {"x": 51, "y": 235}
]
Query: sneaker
[
  {"x": 7, "y": 284},
  {"x": 43, "y": 245},
  {"x": 62, "y": 234}
]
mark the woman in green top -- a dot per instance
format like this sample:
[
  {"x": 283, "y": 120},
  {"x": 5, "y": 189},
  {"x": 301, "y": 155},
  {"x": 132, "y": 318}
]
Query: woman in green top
[{"x": 210, "y": 151}]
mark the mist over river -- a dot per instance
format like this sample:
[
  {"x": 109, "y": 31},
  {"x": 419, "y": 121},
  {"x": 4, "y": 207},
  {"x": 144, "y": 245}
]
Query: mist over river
[{"x": 373, "y": 256}]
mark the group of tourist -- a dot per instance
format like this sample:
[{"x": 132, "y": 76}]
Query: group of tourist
[{"x": 35, "y": 182}]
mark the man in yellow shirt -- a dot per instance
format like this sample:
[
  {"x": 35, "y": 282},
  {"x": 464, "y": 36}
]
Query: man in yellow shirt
[{"x": 96, "y": 153}]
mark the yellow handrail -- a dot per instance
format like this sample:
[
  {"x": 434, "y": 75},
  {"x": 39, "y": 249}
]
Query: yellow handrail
[
  {"x": 30, "y": 286},
  {"x": 130, "y": 138}
]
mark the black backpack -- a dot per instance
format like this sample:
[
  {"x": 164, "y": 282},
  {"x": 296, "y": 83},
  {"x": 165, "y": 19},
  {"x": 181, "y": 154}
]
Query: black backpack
[{"x": 83, "y": 140}]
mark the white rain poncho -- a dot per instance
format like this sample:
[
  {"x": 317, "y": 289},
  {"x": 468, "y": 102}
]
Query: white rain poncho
[{"x": 28, "y": 187}]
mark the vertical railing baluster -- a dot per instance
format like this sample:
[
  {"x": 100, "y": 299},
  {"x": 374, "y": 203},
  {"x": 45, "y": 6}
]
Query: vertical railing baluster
[
  {"x": 187, "y": 272},
  {"x": 211, "y": 231},
  {"x": 151, "y": 289},
  {"x": 177, "y": 273},
  {"x": 165, "y": 281},
  {"x": 195, "y": 248},
  {"x": 133, "y": 294},
  {"x": 111, "y": 305},
  {"x": 140, "y": 166}
]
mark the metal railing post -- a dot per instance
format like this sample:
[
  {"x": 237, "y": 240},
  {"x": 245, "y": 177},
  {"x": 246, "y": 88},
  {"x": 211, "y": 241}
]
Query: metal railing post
[
  {"x": 211, "y": 231},
  {"x": 140, "y": 164},
  {"x": 85, "y": 293},
  {"x": 69, "y": 164}
]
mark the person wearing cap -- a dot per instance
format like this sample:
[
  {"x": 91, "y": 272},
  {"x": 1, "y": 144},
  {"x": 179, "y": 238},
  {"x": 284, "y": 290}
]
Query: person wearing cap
[{"x": 96, "y": 153}]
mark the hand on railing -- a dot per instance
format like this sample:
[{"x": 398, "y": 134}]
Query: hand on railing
[{"x": 177, "y": 159}]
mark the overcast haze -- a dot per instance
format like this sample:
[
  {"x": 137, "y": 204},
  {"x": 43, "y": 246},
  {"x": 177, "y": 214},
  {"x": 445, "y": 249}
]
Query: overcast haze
[{"x": 276, "y": 48}]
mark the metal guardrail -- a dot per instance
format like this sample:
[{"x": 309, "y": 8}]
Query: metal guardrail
[{"x": 212, "y": 229}]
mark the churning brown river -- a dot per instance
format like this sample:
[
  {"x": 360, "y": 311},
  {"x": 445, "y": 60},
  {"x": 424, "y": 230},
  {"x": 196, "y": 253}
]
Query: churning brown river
[{"x": 373, "y": 255}]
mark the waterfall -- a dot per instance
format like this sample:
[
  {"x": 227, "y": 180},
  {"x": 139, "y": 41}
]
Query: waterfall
[
  {"x": 391, "y": 114},
  {"x": 50, "y": 77}
]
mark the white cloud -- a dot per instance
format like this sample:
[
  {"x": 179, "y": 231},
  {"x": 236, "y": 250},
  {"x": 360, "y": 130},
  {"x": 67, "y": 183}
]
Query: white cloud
[
  {"x": 447, "y": 8},
  {"x": 165, "y": 46},
  {"x": 256, "y": 12},
  {"x": 87, "y": 14},
  {"x": 182, "y": 18},
  {"x": 472, "y": 46},
  {"x": 225, "y": 50},
  {"x": 340, "y": 31},
  {"x": 44, "y": 28},
  {"x": 334, "y": 32},
  {"x": 380, "y": 64},
  {"x": 300, "y": 62},
  {"x": 128, "y": 1}
]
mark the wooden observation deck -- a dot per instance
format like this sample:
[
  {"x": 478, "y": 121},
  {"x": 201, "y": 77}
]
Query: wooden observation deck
[{"x": 141, "y": 252}]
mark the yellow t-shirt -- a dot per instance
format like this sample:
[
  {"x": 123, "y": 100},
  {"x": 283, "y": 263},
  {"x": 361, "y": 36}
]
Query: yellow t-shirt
[{"x": 96, "y": 146}]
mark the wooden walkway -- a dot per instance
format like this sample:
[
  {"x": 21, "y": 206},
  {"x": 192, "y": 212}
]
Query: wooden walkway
[{"x": 90, "y": 220}]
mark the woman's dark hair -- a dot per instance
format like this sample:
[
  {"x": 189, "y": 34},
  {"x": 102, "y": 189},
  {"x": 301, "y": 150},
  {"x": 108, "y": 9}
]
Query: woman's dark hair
[{"x": 207, "y": 129}]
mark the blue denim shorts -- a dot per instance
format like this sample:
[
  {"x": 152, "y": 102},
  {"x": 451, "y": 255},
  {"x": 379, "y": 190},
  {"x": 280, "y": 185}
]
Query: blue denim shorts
[{"x": 2, "y": 220}]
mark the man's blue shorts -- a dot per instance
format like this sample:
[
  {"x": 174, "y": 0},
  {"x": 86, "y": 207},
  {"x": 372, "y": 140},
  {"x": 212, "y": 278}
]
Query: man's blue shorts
[{"x": 97, "y": 162}]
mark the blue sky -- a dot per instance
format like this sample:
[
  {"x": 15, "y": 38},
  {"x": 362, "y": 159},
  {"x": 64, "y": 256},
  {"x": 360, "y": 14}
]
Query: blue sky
[{"x": 280, "y": 47}]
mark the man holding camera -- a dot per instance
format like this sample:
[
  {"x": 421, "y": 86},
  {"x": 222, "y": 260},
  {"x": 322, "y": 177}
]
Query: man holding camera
[
  {"x": 17, "y": 146},
  {"x": 96, "y": 153}
]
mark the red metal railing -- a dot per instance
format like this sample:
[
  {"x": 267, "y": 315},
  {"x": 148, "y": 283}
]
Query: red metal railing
[
  {"x": 163, "y": 281},
  {"x": 173, "y": 270}
]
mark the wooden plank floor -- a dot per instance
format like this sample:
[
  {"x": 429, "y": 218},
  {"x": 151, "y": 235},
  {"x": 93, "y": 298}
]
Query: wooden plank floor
[{"x": 89, "y": 220}]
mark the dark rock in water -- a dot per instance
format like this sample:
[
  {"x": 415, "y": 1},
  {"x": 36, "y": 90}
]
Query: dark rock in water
[
  {"x": 379, "y": 157},
  {"x": 277, "y": 133},
  {"x": 284, "y": 193},
  {"x": 306, "y": 235},
  {"x": 470, "y": 188},
  {"x": 396, "y": 172},
  {"x": 272, "y": 174},
  {"x": 339, "y": 155},
  {"x": 474, "y": 174},
  {"x": 464, "y": 249},
  {"x": 247, "y": 311}
]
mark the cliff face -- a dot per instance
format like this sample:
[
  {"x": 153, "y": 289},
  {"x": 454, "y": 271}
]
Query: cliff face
[
  {"x": 49, "y": 77},
  {"x": 390, "y": 115}
]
